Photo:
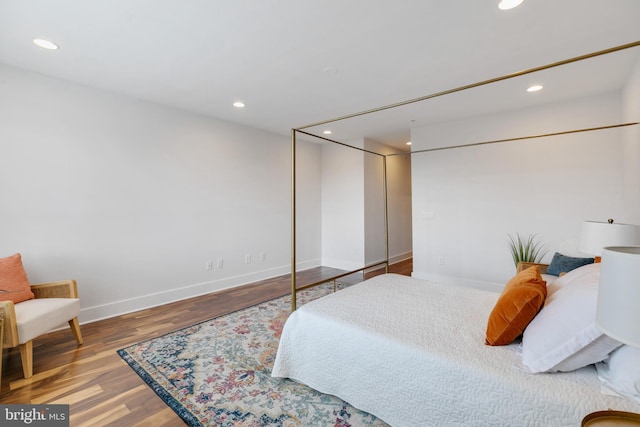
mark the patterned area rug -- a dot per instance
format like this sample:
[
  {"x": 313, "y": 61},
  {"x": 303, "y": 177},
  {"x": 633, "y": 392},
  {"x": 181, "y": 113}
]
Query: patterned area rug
[{"x": 218, "y": 373}]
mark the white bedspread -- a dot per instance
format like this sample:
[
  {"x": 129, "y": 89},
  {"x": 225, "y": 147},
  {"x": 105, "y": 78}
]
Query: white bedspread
[{"x": 412, "y": 353}]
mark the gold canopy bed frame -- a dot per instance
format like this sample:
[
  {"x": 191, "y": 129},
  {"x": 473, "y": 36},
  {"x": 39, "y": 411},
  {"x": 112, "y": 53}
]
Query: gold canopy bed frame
[{"x": 385, "y": 262}]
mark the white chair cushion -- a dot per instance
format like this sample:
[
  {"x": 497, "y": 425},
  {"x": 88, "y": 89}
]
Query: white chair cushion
[{"x": 37, "y": 316}]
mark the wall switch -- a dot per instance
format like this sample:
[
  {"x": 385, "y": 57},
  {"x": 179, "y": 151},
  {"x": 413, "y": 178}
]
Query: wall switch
[
  {"x": 247, "y": 259},
  {"x": 209, "y": 265},
  {"x": 440, "y": 260},
  {"x": 263, "y": 256},
  {"x": 220, "y": 263}
]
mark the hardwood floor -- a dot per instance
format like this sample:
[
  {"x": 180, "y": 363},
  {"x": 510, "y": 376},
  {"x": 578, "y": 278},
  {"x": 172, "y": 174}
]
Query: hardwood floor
[{"x": 101, "y": 389}]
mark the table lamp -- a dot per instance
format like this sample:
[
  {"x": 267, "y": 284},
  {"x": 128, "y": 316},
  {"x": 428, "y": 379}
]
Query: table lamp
[
  {"x": 596, "y": 235},
  {"x": 618, "y": 315}
]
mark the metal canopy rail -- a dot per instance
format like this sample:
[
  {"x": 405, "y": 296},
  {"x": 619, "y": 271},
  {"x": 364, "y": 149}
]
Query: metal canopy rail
[
  {"x": 481, "y": 83},
  {"x": 295, "y": 131},
  {"x": 518, "y": 138}
]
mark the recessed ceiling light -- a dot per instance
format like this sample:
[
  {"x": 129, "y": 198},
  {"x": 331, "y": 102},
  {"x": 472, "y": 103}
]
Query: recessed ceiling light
[
  {"x": 327, "y": 132},
  {"x": 534, "y": 88},
  {"x": 238, "y": 104},
  {"x": 45, "y": 44},
  {"x": 509, "y": 4},
  {"x": 409, "y": 143}
]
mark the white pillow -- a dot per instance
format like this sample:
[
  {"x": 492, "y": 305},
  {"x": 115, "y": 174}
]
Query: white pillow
[
  {"x": 587, "y": 272},
  {"x": 621, "y": 372},
  {"x": 549, "y": 278},
  {"x": 564, "y": 336}
]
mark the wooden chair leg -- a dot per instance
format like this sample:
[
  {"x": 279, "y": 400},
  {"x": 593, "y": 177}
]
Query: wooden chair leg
[
  {"x": 26, "y": 354},
  {"x": 75, "y": 328}
]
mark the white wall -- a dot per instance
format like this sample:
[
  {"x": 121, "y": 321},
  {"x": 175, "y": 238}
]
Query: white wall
[
  {"x": 631, "y": 106},
  {"x": 398, "y": 204},
  {"x": 342, "y": 207},
  {"x": 466, "y": 200},
  {"x": 353, "y": 205},
  {"x": 132, "y": 199},
  {"x": 399, "y": 201},
  {"x": 308, "y": 205},
  {"x": 374, "y": 226}
]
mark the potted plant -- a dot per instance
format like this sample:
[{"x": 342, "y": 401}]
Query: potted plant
[{"x": 528, "y": 250}]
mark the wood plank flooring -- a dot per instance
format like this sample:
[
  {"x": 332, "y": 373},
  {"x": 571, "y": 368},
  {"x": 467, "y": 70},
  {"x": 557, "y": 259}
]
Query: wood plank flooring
[{"x": 101, "y": 389}]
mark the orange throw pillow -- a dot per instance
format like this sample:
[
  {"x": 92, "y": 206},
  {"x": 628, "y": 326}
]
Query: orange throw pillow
[
  {"x": 14, "y": 284},
  {"x": 522, "y": 298}
]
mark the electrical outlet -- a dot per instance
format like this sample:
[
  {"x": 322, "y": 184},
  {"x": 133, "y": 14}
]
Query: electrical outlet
[
  {"x": 209, "y": 265},
  {"x": 263, "y": 256},
  {"x": 247, "y": 259},
  {"x": 220, "y": 263}
]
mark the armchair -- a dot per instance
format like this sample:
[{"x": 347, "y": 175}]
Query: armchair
[{"x": 54, "y": 304}]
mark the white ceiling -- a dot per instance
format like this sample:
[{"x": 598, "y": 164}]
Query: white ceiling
[{"x": 202, "y": 55}]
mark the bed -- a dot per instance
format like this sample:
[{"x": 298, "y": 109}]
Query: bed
[{"x": 412, "y": 353}]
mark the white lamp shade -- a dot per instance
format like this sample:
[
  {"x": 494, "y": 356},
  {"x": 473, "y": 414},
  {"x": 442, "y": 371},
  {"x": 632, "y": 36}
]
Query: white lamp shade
[
  {"x": 596, "y": 235},
  {"x": 618, "y": 313}
]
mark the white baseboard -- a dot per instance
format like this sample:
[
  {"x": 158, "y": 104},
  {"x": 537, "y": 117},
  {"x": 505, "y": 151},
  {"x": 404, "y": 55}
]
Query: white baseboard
[
  {"x": 400, "y": 257},
  {"x": 341, "y": 264},
  {"x": 304, "y": 265},
  {"x": 125, "y": 306},
  {"x": 459, "y": 281},
  {"x": 349, "y": 266}
]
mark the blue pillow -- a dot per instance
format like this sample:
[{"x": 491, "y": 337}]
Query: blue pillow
[{"x": 564, "y": 264}]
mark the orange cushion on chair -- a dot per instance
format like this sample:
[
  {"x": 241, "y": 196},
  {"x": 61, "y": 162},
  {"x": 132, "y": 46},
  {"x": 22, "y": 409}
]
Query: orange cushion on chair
[
  {"x": 14, "y": 284},
  {"x": 522, "y": 298}
]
